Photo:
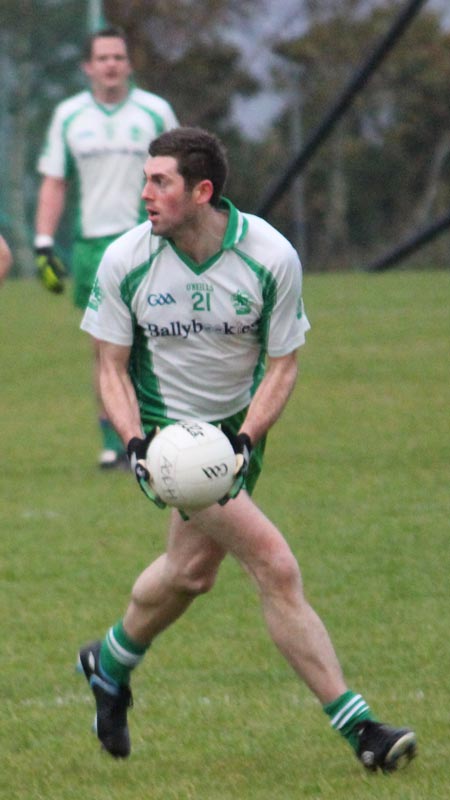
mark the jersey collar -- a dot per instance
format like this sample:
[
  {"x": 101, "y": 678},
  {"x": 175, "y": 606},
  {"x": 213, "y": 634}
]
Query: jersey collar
[
  {"x": 235, "y": 231},
  {"x": 110, "y": 109},
  {"x": 237, "y": 225}
]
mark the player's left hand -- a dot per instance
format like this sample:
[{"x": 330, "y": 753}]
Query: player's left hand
[
  {"x": 137, "y": 452},
  {"x": 242, "y": 446}
]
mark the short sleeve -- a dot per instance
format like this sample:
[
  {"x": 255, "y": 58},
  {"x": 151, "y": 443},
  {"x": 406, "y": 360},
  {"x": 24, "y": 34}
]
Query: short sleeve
[
  {"x": 52, "y": 160},
  {"x": 170, "y": 119},
  {"x": 107, "y": 316},
  {"x": 288, "y": 322}
]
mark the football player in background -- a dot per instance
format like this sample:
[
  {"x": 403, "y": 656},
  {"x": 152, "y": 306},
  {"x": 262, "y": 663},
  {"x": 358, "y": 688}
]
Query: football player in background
[{"x": 99, "y": 139}]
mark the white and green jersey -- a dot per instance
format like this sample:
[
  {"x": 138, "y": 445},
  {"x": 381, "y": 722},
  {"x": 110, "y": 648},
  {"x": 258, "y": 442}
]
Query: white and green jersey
[
  {"x": 104, "y": 149},
  {"x": 199, "y": 334}
]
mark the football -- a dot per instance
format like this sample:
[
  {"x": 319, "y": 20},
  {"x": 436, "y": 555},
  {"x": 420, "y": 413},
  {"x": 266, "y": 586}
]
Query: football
[{"x": 191, "y": 464}]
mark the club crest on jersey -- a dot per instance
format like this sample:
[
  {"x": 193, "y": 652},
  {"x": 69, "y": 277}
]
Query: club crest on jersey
[
  {"x": 135, "y": 133},
  {"x": 242, "y": 302}
]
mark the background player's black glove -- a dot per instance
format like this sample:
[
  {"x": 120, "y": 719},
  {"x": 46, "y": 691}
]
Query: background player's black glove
[
  {"x": 137, "y": 453},
  {"x": 242, "y": 446},
  {"x": 51, "y": 270}
]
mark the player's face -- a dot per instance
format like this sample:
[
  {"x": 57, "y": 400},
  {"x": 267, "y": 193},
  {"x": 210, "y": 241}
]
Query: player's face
[
  {"x": 171, "y": 207},
  {"x": 108, "y": 67}
]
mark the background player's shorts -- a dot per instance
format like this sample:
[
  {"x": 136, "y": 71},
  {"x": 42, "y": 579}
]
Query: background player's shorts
[
  {"x": 86, "y": 256},
  {"x": 234, "y": 423}
]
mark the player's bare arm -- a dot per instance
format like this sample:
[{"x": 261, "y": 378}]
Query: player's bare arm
[
  {"x": 52, "y": 199},
  {"x": 117, "y": 391},
  {"x": 271, "y": 395}
]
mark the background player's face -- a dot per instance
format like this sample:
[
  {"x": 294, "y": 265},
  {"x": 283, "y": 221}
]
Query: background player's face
[
  {"x": 108, "y": 67},
  {"x": 171, "y": 207}
]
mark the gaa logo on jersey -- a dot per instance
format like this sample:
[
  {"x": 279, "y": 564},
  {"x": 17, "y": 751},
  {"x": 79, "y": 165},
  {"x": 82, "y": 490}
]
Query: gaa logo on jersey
[{"x": 160, "y": 299}]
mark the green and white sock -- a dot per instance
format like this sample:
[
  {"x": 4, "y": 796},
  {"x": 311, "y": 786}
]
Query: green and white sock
[
  {"x": 119, "y": 655},
  {"x": 110, "y": 438},
  {"x": 345, "y": 712}
]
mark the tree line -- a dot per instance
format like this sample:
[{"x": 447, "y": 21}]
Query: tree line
[{"x": 382, "y": 173}]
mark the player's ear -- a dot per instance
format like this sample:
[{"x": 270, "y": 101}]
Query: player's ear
[{"x": 203, "y": 191}]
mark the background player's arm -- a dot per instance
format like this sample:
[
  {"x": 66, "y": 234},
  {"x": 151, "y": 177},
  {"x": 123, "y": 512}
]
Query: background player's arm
[
  {"x": 51, "y": 202},
  {"x": 118, "y": 395},
  {"x": 271, "y": 396}
]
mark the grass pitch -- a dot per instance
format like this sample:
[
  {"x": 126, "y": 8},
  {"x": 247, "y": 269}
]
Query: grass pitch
[{"x": 357, "y": 476}]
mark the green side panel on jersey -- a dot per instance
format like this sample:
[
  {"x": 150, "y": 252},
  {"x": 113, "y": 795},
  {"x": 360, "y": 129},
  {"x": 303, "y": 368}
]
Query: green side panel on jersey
[
  {"x": 157, "y": 119},
  {"x": 269, "y": 293},
  {"x": 142, "y": 374},
  {"x": 70, "y": 169},
  {"x": 69, "y": 163},
  {"x": 133, "y": 279},
  {"x": 141, "y": 370},
  {"x": 78, "y": 226}
]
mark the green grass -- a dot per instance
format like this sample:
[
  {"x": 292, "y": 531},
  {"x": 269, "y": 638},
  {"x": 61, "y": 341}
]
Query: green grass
[{"x": 357, "y": 476}]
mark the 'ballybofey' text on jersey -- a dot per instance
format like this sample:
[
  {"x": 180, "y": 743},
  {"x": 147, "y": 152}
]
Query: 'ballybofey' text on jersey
[{"x": 199, "y": 334}]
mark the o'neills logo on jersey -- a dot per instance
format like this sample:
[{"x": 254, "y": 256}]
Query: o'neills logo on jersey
[{"x": 184, "y": 330}]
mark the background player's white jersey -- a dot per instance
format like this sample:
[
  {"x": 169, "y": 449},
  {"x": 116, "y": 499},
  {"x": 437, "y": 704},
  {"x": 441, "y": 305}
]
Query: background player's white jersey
[
  {"x": 206, "y": 328},
  {"x": 106, "y": 150}
]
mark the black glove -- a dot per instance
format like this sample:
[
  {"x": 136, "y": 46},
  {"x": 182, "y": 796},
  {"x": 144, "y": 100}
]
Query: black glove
[
  {"x": 137, "y": 453},
  {"x": 51, "y": 270},
  {"x": 242, "y": 446}
]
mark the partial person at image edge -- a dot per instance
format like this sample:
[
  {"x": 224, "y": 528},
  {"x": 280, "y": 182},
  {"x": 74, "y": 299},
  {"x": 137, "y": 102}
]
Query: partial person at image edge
[{"x": 6, "y": 259}]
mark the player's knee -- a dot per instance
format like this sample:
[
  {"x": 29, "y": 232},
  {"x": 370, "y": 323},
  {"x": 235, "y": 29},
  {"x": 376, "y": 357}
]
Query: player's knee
[
  {"x": 195, "y": 586},
  {"x": 194, "y": 577},
  {"x": 194, "y": 582}
]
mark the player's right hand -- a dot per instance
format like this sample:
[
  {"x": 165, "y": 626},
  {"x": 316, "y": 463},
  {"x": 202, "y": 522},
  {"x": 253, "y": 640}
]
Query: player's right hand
[
  {"x": 51, "y": 270},
  {"x": 137, "y": 452}
]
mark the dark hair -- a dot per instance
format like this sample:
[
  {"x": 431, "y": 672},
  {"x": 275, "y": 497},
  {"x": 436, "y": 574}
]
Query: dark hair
[
  {"x": 200, "y": 156},
  {"x": 104, "y": 33}
]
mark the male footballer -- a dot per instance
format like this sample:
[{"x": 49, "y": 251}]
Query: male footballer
[
  {"x": 98, "y": 139},
  {"x": 220, "y": 346}
]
